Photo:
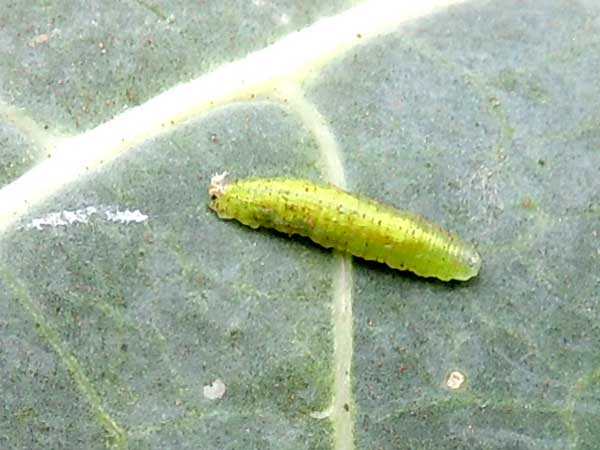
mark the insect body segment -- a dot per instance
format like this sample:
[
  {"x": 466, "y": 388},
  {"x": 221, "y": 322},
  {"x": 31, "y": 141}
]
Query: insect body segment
[{"x": 338, "y": 219}]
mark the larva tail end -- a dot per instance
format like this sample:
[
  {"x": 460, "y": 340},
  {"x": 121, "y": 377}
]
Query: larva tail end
[
  {"x": 217, "y": 185},
  {"x": 473, "y": 265}
]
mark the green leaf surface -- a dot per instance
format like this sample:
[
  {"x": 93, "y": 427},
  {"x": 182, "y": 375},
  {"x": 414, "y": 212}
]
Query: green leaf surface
[{"x": 126, "y": 306}]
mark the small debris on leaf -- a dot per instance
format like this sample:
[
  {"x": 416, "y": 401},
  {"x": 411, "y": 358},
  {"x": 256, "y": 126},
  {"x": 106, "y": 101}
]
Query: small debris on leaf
[
  {"x": 39, "y": 40},
  {"x": 214, "y": 390},
  {"x": 455, "y": 380}
]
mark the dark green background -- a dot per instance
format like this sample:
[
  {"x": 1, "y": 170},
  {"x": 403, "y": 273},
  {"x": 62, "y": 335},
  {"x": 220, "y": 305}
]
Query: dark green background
[{"x": 485, "y": 118}]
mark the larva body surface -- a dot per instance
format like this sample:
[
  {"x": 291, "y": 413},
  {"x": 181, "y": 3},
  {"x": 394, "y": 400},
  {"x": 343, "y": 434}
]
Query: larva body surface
[{"x": 338, "y": 219}]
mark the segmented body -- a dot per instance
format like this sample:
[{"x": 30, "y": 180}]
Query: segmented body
[{"x": 338, "y": 219}]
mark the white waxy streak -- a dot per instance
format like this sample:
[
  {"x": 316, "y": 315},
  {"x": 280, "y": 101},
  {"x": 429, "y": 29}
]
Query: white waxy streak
[
  {"x": 126, "y": 216},
  {"x": 83, "y": 215},
  {"x": 63, "y": 218},
  {"x": 296, "y": 56}
]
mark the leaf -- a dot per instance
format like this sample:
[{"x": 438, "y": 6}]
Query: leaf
[{"x": 131, "y": 317}]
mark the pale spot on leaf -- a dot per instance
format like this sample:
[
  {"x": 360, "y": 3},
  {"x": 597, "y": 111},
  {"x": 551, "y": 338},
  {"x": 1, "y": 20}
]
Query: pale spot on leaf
[
  {"x": 40, "y": 39},
  {"x": 214, "y": 390},
  {"x": 455, "y": 380}
]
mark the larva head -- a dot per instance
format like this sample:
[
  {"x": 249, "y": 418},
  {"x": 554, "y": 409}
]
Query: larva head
[
  {"x": 216, "y": 190},
  {"x": 217, "y": 185}
]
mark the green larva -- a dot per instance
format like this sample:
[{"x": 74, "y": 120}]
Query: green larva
[{"x": 338, "y": 219}]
